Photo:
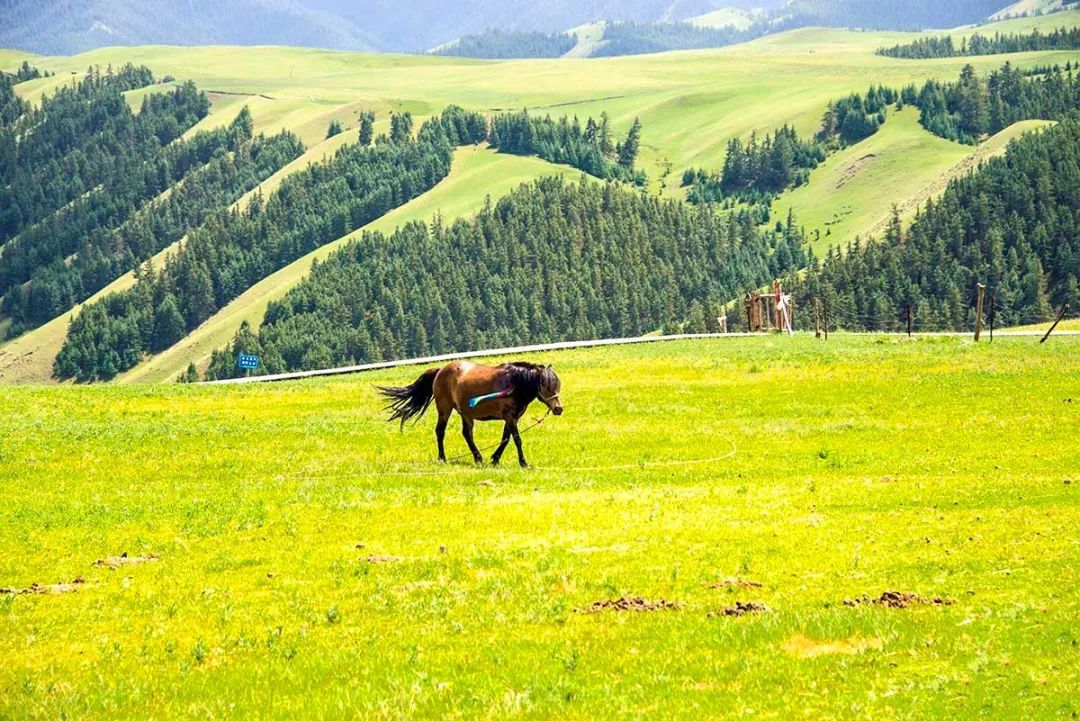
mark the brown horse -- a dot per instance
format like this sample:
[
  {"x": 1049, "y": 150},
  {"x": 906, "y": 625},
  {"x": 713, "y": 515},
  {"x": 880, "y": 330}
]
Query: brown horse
[{"x": 478, "y": 393}]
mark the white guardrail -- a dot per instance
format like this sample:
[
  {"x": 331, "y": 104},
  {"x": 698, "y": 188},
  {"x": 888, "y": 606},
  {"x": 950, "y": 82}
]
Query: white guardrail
[
  {"x": 474, "y": 354},
  {"x": 539, "y": 347}
]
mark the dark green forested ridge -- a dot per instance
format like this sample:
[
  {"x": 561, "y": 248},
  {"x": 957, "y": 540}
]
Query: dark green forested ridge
[
  {"x": 1013, "y": 225},
  {"x": 137, "y": 180},
  {"x": 972, "y": 106},
  {"x": 631, "y": 38},
  {"x": 11, "y": 105},
  {"x": 590, "y": 148},
  {"x": 235, "y": 249},
  {"x": 964, "y": 110},
  {"x": 83, "y": 135},
  {"x": 232, "y": 251},
  {"x": 756, "y": 171},
  {"x": 85, "y": 246},
  {"x": 495, "y": 43},
  {"x": 999, "y": 43},
  {"x": 856, "y": 117},
  {"x": 553, "y": 260}
]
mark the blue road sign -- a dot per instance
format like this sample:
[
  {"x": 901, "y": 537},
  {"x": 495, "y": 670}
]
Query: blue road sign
[{"x": 247, "y": 361}]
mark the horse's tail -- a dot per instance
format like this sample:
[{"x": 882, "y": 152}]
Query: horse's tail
[{"x": 412, "y": 400}]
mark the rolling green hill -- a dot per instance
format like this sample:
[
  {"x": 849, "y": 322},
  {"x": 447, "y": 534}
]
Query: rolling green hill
[
  {"x": 725, "y": 17},
  {"x": 690, "y": 105}
]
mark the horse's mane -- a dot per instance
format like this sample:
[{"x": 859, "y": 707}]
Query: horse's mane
[{"x": 528, "y": 376}]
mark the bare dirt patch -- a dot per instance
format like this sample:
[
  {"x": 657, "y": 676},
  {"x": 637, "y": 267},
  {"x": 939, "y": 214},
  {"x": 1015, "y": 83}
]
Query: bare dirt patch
[
  {"x": 735, "y": 583},
  {"x": 630, "y": 603},
  {"x": 48, "y": 589},
  {"x": 124, "y": 560},
  {"x": 855, "y": 169},
  {"x": 376, "y": 558},
  {"x": 741, "y": 608},
  {"x": 897, "y": 599},
  {"x": 803, "y": 647}
]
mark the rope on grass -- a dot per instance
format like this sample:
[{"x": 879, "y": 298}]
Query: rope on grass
[{"x": 640, "y": 465}]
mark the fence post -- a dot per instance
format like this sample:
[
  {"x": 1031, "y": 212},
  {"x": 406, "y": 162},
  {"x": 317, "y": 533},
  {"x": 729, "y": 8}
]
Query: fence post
[
  {"x": 817, "y": 320},
  {"x": 979, "y": 312},
  {"x": 749, "y": 328},
  {"x": 907, "y": 312},
  {"x": 1061, "y": 315}
]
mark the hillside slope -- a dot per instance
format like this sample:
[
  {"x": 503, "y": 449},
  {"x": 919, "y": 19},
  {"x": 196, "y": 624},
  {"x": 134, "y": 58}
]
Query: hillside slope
[
  {"x": 690, "y": 104},
  {"x": 854, "y": 191},
  {"x": 477, "y": 174}
]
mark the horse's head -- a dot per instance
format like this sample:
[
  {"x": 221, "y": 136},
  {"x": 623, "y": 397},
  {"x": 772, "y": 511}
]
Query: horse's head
[{"x": 550, "y": 385}]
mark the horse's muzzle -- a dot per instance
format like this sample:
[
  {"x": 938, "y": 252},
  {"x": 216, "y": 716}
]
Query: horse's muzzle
[{"x": 557, "y": 410}]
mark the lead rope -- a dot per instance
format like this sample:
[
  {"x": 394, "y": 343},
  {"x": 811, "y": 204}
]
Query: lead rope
[{"x": 468, "y": 454}]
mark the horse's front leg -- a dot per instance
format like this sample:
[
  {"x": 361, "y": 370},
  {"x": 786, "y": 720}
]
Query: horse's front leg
[
  {"x": 517, "y": 442},
  {"x": 497, "y": 455}
]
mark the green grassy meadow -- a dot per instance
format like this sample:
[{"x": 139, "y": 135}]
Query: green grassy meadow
[{"x": 313, "y": 561}]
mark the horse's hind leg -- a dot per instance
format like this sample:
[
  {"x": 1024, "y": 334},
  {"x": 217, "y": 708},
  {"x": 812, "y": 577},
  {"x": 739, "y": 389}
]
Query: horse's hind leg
[
  {"x": 466, "y": 431},
  {"x": 440, "y": 431},
  {"x": 497, "y": 455}
]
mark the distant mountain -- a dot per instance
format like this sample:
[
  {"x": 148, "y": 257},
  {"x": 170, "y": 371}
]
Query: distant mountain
[
  {"x": 893, "y": 14},
  {"x": 67, "y": 26},
  {"x": 418, "y": 25},
  {"x": 55, "y": 27}
]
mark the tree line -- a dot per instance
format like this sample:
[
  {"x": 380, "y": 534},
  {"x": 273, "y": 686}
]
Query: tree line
[
  {"x": 11, "y": 105},
  {"x": 590, "y": 148},
  {"x": 1013, "y": 225},
  {"x": 971, "y": 107},
  {"x": 632, "y": 38},
  {"x": 82, "y": 136},
  {"x": 964, "y": 110},
  {"x": 494, "y": 43},
  {"x": 234, "y": 249},
  {"x": 944, "y": 46},
  {"x": 756, "y": 171},
  {"x": 553, "y": 260},
  {"x": 59, "y": 262}
]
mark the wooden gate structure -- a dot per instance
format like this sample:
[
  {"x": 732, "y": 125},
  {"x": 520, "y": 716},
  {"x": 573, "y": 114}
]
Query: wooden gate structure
[{"x": 766, "y": 312}]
